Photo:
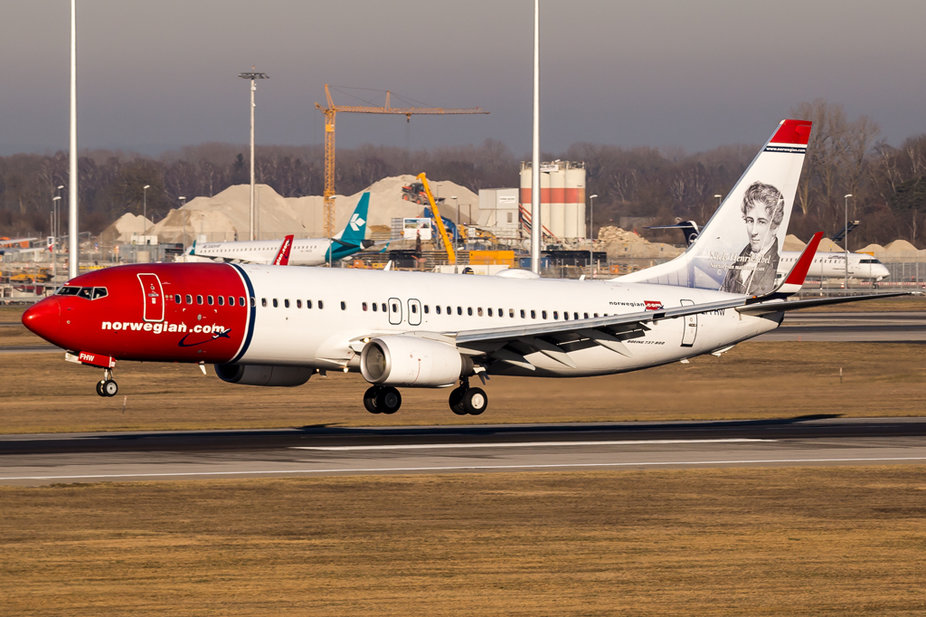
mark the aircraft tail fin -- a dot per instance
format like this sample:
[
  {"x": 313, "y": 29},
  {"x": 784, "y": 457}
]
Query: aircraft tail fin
[
  {"x": 738, "y": 249},
  {"x": 282, "y": 256},
  {"x": 356, "y": 228}
]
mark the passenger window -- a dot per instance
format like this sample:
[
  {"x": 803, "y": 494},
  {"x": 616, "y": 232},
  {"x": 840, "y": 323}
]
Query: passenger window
[
  {"x": 276, "y": 303},
  {"x": 555, "y": 314},
  {"x": 522, "y": 313},
  {"x": 415, "y": 308},
  {"x": 426, "y": 309},
  {"x": 363, "y": 306},
  {"x": 189, "y": 299},
  {"x": 263, "y": 302},
  {"x": 437, "y": 309},
  {"x": 298, "y": 302},
  {"x": 543, "y": 314},
  {"x": 533, "y": 314},
  {"x": 375, "y": 307},
  {"x": 177, "y": 299},
  {"x": 469, "y": 311},
  {"x": 489, "y": 311},
  {"x": 286, "y": 303},
  {"x": 383, "y": 305},
  {"x": 308, "y": 304},
  {"x": 459, "y": 310},
  {"x": 221, "y": 300},
  {"x": 321, "y": 305},
  {"x": 479, "y": 311},
  {"x": 511, "y": 313},
  {"x": 199, "y": 299},
  {"x": 343, "y": 305},
  {"x": 210, "y": 300}
]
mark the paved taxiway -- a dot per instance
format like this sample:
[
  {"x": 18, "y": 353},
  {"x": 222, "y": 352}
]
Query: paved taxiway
[{"x": 326, "y": 451}]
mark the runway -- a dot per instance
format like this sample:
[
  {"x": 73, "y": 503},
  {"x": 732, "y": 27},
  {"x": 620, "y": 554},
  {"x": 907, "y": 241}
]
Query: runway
[
  {"x": 332, "y": 451},
  {"x": 867, "y": 327}
]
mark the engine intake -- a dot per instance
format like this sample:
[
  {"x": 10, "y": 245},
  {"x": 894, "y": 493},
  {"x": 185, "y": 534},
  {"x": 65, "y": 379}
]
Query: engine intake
[
  {"x": 263, "y": 374},
  {"x": 411, "y": 361}
]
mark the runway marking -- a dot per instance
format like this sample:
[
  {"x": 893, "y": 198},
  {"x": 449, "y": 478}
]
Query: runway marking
[
  {"x": 361, "y": 470},
  {"x": 525, "y": 444}
]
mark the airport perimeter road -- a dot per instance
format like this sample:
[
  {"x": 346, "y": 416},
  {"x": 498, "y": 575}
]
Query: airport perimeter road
[{"x": 46, "y": 459}]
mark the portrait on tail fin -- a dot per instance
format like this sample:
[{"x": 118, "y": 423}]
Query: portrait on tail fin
[{"x": 754, "y": 269}]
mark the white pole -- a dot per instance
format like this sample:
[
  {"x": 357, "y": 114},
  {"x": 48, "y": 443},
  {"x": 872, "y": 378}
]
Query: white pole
[
  {"x": 536, "y": 223},
  {"x": 73, "y": 245},
  {"x": 253, "y": 90}
]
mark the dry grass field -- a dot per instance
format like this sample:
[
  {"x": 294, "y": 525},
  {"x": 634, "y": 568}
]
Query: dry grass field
[
  {"x": 729, "y": 542},
  {"x": 830, "y": 541}
]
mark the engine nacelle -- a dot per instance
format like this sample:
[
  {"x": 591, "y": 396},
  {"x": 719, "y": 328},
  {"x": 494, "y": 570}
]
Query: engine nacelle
[
  {"x": 411, "y": 361},
  {"x": 263, "y": 375}
]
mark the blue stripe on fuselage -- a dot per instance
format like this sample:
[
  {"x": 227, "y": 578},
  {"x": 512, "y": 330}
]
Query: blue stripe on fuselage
[{"x": 252, "y": 304}]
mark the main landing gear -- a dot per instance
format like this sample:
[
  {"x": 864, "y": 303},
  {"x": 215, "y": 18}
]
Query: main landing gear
[
  {"x": 463, "y": 400},
  {"x": 468, "y": 401},
  {"x": 382, "y": 399}
]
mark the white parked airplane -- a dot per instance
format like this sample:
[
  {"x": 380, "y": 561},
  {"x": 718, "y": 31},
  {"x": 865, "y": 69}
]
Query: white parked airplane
[
  {"x": 276, "y": 326},
  {"x": 302, "y": 252},
  {"x": 862, "y": 266}
]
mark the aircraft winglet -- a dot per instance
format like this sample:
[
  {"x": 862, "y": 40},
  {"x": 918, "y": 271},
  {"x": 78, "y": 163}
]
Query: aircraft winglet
[{"x": 282, "y": 257}]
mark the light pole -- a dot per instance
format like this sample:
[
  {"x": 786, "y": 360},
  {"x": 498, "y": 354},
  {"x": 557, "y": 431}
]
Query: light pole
[
  {"x": 54, "y": 236},
  {"x": 182, "y": 199},
  {"x": 253, "y": 76},
  {"x": 845, "y": 238},
  {"x": 591, "y": 229},
  {"x": 144, "y": 212}
]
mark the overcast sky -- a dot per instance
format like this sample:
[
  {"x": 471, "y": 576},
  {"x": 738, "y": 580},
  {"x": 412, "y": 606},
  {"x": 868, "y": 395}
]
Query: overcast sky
[{"x": 158, "y": 75}]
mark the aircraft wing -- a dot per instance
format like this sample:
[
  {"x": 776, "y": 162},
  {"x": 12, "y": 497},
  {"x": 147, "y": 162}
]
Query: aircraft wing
[{"x": 511, "y": 344}]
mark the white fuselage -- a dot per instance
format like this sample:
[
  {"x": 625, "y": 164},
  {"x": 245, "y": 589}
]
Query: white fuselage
[
  {"x": 304, "y": 252},
  {"x": 833, "y": 265},
  {"x": 322, "y": 317}
]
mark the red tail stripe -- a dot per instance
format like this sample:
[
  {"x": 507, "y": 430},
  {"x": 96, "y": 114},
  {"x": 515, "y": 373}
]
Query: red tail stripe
[{"x": 792, "y": 132}]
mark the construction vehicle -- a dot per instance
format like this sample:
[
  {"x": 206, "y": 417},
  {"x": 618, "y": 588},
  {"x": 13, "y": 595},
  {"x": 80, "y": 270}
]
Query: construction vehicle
[
  {"x": 414, "y": 193},
  {"x": 448, "y": 243}
]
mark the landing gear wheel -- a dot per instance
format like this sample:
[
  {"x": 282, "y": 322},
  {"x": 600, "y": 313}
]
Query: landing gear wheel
[
  {"x": 369, "y": 399},
  {"x": 107, "y": 387},
  {"x": 475, "y": 401},
  {"x": 456, "y": 401},
  {"x": 388, "y": 400}
]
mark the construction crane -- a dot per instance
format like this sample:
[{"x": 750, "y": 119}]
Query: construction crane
[
  {"x": 331, "y": 111},
  {"x": 448, "y": 245}
]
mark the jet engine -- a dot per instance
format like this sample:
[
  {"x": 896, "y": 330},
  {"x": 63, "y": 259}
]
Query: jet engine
[
  {"x": 263, "y": 374},
  {"x": 412, "y": 361}
]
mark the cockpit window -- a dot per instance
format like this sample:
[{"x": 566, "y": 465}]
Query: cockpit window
[{"x": 90, "y": 293}]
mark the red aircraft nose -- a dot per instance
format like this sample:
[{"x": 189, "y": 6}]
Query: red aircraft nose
[{"x": 44, "y": 318}]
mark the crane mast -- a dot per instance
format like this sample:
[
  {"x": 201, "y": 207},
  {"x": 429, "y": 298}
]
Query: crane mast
[{"x": 331, "y": 110}]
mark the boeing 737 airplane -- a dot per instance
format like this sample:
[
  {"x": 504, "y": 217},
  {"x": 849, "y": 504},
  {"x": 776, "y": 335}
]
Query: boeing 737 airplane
[
  {"x": 267, "y": 325},
  {"x": 862, "y": 266},
  {"x": 302, "y": 252}
]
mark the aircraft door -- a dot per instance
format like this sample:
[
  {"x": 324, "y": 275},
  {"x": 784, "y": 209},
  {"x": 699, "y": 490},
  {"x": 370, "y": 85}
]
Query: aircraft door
[
  {"x": 395, "y": 311},
  {"x": 153, "y": 295},
  {"x": 691, "y": 326},
  {"x": 414, "y": 312}
]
